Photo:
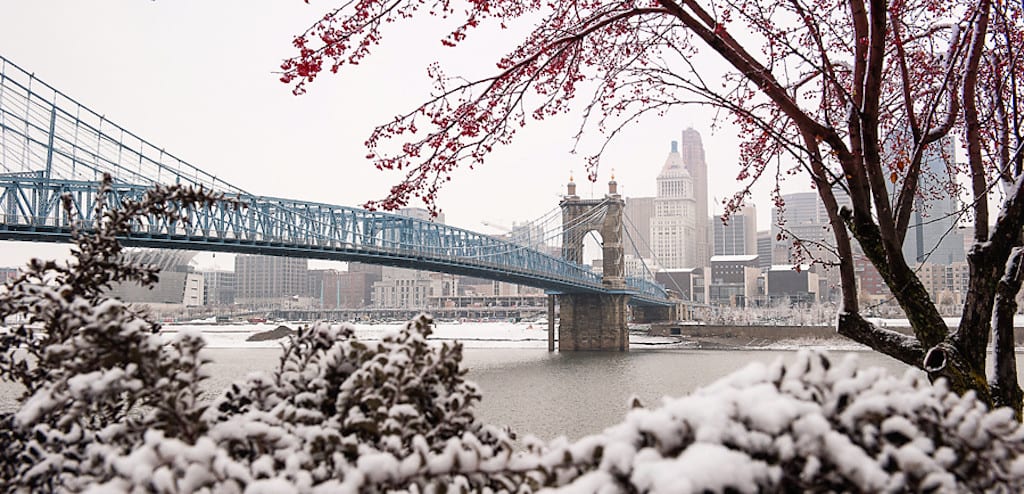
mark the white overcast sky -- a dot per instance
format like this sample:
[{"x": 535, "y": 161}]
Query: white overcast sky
[{"x": 196, "y": 77}]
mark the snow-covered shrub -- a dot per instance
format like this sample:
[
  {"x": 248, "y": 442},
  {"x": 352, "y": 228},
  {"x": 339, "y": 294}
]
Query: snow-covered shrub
[
  {"x": 345, "y": 403},
  {"x": 111, "y": 407},
  {"x": 808, "y": 426},
  {"x": 337, "y": 413},
  {"x": 94, "y": 371}
]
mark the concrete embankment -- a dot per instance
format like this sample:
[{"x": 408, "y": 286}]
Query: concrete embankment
[{"x": 755, "y": 335}]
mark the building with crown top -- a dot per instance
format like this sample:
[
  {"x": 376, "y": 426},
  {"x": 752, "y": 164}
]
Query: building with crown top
[{"x": 674, "y": 225}]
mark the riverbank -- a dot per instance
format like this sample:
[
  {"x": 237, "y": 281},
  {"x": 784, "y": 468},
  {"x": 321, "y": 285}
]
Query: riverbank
[
  {"x": 472, "y": 335},
  {"x": 534, "y": 336},
  {"x": 765, "y": 336}
]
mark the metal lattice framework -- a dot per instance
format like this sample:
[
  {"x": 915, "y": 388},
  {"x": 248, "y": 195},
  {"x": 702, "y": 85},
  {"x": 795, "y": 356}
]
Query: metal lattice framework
[{"x": 51, "y": 145}]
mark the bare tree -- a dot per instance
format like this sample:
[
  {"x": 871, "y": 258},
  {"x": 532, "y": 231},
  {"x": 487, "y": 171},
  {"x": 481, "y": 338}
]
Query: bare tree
[{"x": 855, "y": 92}]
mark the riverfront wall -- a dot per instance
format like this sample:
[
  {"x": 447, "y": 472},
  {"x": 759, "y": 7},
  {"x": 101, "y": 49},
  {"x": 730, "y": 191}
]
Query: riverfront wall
[
  {"x": 745, "y": 333},
  {"x": 754, "y": 334}
]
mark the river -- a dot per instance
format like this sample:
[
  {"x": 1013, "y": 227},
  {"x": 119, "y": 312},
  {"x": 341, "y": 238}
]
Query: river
[
  {"x": 571, "y": 394},
  {"x": 525, "y": 387}
]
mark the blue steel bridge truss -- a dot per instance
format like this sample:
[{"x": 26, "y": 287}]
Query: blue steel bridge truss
[{"x": 50, "y": 145}]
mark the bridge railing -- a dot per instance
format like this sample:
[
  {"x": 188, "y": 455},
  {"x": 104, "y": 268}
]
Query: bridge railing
[
  {"x": 647, "y": 287},
  {"x": 31, "y": 203},
  {"x": 338, "y": 227}
]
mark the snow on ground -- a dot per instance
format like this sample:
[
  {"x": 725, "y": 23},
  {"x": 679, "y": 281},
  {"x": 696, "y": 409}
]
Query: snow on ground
[
  {"x": 833, "y": 345},
  {"x": 952, "y": 322},
  {"x": 502, "y": 335},
  {"x": 472, "y": 335}
]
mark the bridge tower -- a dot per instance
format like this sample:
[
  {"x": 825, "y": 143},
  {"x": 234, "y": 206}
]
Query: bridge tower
[{"x": 590, "y": 321}]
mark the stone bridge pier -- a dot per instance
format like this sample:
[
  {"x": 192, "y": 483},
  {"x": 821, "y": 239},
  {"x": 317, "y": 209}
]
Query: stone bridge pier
[{"x": 591, "y": 321}]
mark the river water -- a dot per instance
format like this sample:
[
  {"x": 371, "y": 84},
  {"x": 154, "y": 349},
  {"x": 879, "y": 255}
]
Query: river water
[
  {"x": 536, "y": 392},
  {"x": 571, "y": 394}
]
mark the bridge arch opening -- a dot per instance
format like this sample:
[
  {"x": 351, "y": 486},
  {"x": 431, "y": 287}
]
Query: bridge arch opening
[{"x": 593, "y": 249}]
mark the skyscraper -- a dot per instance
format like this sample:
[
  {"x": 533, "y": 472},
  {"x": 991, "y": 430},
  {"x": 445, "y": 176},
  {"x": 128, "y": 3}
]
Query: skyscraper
[
  {"x": 806, "y": 221},
  {"x": 738, "y": 236},
  {"x": 692, "y": 152},
  {"x": 933, "y": 235},
  {"x": 637, "y": 214},
  {"x": 673, "y": 226},
  {"x": 764, "y": 248}
]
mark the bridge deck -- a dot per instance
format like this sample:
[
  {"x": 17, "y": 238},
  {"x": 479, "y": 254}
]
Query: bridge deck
[{"x": 30, "y": 211}]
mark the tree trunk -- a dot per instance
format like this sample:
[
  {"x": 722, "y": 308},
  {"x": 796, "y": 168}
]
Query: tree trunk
[
  {"x": 1005, "y": 388},
  {"x": 934, "y": 349}
]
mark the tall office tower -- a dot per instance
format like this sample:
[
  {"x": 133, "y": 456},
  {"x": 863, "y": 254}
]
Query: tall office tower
[
  {"x": 637, "y": 218},
  {"x": 692, "y": 151},
  {"x": 269, "y": 280},
  {"x": 738, "y": 236},
  {"x": 764, "y": 248},
  {"x": 674, "y": 225},
  {"x": 933, "y": 235},
  {"x": 804, "y": 221}
]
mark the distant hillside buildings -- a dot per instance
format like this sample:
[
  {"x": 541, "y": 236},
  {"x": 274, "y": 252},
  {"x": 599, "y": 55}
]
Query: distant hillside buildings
[{"x": 265, "y": 282}]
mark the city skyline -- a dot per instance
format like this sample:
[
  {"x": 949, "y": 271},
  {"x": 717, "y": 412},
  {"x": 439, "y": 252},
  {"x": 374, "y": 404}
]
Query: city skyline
[
  {"x": 213, "y": 99},
  {"x": 230, "y": 116}
]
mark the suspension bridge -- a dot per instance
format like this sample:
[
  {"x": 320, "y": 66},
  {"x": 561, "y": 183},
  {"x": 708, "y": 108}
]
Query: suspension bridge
[{"x": 51, "y": 145}]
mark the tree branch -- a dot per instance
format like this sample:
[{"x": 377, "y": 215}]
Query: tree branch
[
  {"x": 897, "y": 345},
  {"x": 973, "y": 332}
]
